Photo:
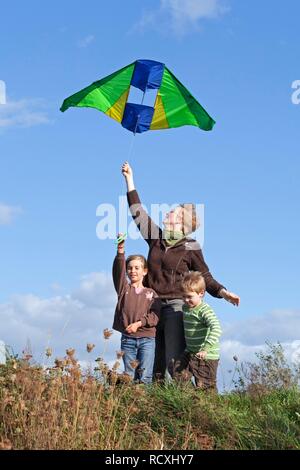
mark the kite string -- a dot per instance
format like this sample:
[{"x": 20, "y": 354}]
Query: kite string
[
  {"x": 131, "y": 148},
  {"x": 133, "y": 139},
  {"x": 134, "y": 132}
]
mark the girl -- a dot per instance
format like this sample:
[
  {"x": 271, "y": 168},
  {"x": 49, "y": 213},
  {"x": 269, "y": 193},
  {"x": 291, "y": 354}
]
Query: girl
[{"x": 136, "y": 315}]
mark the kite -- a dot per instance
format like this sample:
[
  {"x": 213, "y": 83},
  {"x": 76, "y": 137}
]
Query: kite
[{"x": 174, "y": 105}]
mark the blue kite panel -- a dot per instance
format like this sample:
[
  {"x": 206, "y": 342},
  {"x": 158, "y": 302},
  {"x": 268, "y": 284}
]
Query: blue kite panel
[
  {"x": 137, "y": 118},
  {"x": 147, "y": 74}
]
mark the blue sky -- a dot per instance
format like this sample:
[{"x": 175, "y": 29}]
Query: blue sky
[{"x": 239, "y": 59}]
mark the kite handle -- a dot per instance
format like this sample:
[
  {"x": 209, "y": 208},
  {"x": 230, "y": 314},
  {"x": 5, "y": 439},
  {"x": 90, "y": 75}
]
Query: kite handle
[{"x": 120, "y": 239}]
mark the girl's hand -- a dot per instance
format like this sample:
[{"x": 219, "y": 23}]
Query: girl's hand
[
  {"x": 127, "y": 170},
  {"x": 230, "y": 297},
  {"x": 121, "y": 246},
  {"x": 133, "y": 327}
]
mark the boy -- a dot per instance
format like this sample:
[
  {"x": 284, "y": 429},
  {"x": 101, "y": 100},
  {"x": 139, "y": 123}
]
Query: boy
[
  {"x": 202, "y": 331},
  {"x": 136, "y": 315}
]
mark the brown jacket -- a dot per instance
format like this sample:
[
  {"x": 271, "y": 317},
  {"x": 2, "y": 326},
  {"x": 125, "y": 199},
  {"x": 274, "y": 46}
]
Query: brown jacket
[
  {"x": 133, "y": 304},
  {"x": 168, "y": 264}
]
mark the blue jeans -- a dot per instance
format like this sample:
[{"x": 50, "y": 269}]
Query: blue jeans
[{"x": 141, "y": 350}]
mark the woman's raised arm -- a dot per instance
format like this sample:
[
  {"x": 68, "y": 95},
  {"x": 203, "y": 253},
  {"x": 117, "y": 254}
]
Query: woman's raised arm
[{"x": 148, "y": 228}]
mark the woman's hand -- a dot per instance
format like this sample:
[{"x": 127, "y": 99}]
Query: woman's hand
[
  {"x": 128, "y": 174},
  {"x": 127, "y": 170},
  {"x": 230, "y": 297}
]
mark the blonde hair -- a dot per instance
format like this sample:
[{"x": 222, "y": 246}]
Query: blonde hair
[
  {"x": 190, "y": 218},
  {"x": 141, "y": 258},
  {"x": 193, "y": 282}
]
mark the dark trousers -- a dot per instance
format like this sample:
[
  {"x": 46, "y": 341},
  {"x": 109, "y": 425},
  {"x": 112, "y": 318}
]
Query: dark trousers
[
  {"x": 170, "y": 342},
  {"x": 204, "y": 371}
]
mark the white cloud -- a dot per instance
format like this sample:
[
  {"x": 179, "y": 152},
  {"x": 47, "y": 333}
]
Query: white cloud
[
  {"x": 277, "y": 325},
  {"x": 23, "y": 113},
  {"x": 181, "y": 16},
  {"x": 63, "y": 321},
  {"x": 88, "y": 291},
  {"x": 246, "y": 352},
  {"x": 8, "y": 213},
  {"x": 86, "y": 41}
]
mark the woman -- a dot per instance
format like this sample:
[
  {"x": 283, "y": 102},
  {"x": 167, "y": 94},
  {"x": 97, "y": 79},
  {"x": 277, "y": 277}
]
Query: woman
[{"x": 171, "y": 255}]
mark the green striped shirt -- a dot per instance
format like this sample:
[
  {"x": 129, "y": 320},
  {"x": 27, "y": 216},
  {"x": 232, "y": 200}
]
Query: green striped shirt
[{"x": 202, "y": 330}]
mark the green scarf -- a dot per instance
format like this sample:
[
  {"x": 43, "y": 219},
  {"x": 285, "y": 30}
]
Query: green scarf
[{"x": 172, "y": 237}]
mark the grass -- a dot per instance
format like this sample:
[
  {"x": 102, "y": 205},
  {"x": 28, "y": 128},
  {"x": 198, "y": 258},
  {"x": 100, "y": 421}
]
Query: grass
[{"x": 63, "y": 407}]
